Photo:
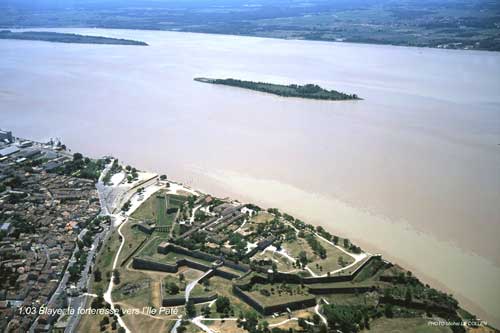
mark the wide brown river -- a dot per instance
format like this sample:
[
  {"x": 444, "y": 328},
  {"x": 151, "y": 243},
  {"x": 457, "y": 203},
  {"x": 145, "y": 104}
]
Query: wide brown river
[{"x": 412, "y": 171}]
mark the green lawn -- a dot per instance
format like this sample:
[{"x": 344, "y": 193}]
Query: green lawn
[
  {"x": 133, "y": 238},
  {"x": 342, "y": 284},
  {"x": 147, "y": 210},
  {"x": 142, "y": 293},
  {"x": 161, "y": 211},
  {"x": 407, "y": 325},
  {"x": 351, "y": 299},
  {"x": 278, "y": 293},
  {"x": 230, "y": 270},
  {"x": 256, "y": 219},
  {"x": 150, "y": 248},
  {"x": 224, "y": 288},
  {"x": 371, "y": 271},
  {"x": 172, "y": 257},
  {"x": 198, "y": 290},
  {"x": 296, "y": 246},
  {"x": 104, "y": 262},
  {"x": 156, "y": 208},
  {"x": 331, "y": 262},
  {"x": 316, "y": 264},
  {"x": 149, "y": 251},
  {"x": 283, "y": 263}
]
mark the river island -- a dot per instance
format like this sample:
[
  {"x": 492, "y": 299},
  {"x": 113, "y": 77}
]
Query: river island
[
  {"x": 309, "y": 91},
  {"x": 58, "y": 37}
]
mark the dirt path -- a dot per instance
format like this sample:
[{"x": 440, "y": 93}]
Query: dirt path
[{"x": 155, "y": 293}]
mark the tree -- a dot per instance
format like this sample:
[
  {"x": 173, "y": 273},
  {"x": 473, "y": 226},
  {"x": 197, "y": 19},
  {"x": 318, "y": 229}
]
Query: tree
[
  {"x": 190, "y": 309},
  {"x": 120, "y": 310},
  {"x": 116, "y": 276},
  {"x": 346, "y": 243},
  {"x": 77, "y": 156},
  {"x": 388, "y": 312},
  {"x": 302, "y": 323},
  {"x": 104, "y": 321},
  {"x": 408, "y": 296},
  {"x": 172, "y": 288},
  {"x": 97, "y": 275},
  {"x": 303, "y": 258},
  {"x": 97, "y": 302},
  {"x": 223, "y": 305},
  {"x": 250, "y": 321},
  {"x": 206, "y": 311},
  {"x": 341, "y": 261},
  {"x": 344, "y": 317},
  {"x": 367, "y": 321},
  {"x": 74, "y": 272},
  {"x": 126, "y": 206},
  {"x": 265, "y": 326}
]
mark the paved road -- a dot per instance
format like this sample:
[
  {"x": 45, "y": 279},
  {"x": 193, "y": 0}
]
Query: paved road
[{"x": 81, "y": 300}]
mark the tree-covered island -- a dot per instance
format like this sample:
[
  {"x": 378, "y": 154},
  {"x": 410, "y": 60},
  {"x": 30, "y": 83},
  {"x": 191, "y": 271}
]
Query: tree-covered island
[
  {"x": 311, "y": 91},
  {"x": 48, "y": 36}
]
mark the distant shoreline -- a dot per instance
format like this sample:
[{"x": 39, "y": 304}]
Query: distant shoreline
[
  {"x": 367, "y": 43},
  {"x": 307, "y": 91},
  {"x": 70, "y": 38}
]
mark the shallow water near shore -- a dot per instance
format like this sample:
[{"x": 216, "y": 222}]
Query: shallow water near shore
[{"x": 412, "y": 171}]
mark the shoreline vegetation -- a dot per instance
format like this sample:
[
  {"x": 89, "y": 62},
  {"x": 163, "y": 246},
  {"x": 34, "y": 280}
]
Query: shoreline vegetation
[
  {"x": 57, "y": 37},
  {"x": 309, "y": 91}
]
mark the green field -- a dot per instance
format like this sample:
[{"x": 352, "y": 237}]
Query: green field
[
  {"x": 371, "y": 272},
  {"x": 351, "y": 299},
  {"x": 133, "y": 238},
  {"x": 172, "y": 257},
  {"x": 142, "y": 293},
  {"x": 283, "y": 264},
  {"x": 406, "y": 325},
  {"x": 316, "y": 263},
  {"x": 104, "y": 263},
  {"x": 156, "y": 208},
  {"x": 331, "y": 262},
  {"x": 224, "y": 288},
  {"x": 278, "y": 293},
  {"x": 161, "y": 212},
  {"x": 150, "y": 248}
]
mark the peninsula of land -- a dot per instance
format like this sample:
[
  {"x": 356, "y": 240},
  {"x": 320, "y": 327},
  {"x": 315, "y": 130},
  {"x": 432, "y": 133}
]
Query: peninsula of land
[
  {"x": 309, "y": 91},
  {"x": 58, "y": 37}
]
